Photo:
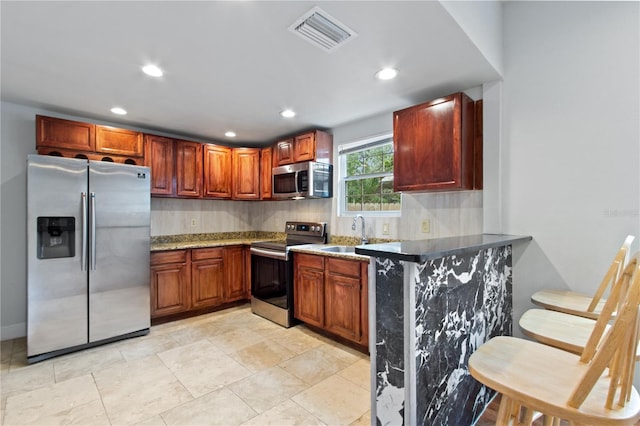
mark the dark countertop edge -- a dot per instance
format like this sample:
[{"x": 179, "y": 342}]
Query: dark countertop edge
[{"x": 422, "y": 250}]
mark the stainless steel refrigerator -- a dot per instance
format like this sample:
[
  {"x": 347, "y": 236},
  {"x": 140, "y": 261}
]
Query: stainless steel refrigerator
[{"x": 88, "y": 254}]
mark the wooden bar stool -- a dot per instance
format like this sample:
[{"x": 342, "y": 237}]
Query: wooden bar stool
[
  {"x": 566, "y": 331},
  {"x": 533, "y": 377},
  {"x": 581, "y": 304}
]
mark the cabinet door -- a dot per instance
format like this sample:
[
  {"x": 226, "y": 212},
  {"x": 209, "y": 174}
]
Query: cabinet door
[
  {"x": 207, "y": 282},
  {"x": 188, "y": 169},
  {"x": 342, "y": 305},
  {"x": 170, "y": 289},
  {"x": 283, "y": 152},
  {"x": 235, "y": 288},
  {"x": 160, "y": 159},
  {"x": 265, "y": 173},
  {"x": 308, "y": 284},
  {"x": 304, "y": 147},
  {"x": 217, "y": 171},
  {"x": 433, "y": 145},
  {"x": 308, "y": 300},
  {"x": 246, "y": 173},
  {"x": 111, "y": 140},
  {"x": 66, "y": 134}
]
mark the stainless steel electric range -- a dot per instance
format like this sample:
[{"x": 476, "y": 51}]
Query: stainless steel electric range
[{"x": 272, "y": 271}]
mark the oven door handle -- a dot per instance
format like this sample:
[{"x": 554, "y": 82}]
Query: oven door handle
[{"x": 270, "y": 253}]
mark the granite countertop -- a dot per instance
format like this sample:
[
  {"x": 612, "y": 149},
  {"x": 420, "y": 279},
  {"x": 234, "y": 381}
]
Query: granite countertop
[
  {"x": 220, "y": 239},
  {"x": 422, "y": 250},
  {"x": 318, "y": 250}
]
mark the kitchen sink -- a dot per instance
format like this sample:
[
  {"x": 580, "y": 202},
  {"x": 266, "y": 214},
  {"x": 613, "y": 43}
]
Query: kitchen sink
[{"x": 340, "y": 249}]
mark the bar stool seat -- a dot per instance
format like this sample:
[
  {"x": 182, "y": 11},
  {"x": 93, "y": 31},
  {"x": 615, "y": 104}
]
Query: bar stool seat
[
  {"x": 564, "y": 331},
  {"x": 582, "y": 304}
]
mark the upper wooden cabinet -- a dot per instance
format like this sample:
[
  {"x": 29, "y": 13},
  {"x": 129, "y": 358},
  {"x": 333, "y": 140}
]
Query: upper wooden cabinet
[
  {"x": 159, "y": 157},
  {"x": 75, "y": 139},
  {"x": 266, "y": 161},
  {"x": 217, "y": 171},
  {"x": 434, "y": 145},
  {"x": 65, "y": 134},
  {"x": 246, "y": 174},
  {"x": 188, "y": 169},
  {"x": 311, "y": 146},
  {"x": 283, "y": 152},
  {"x": 111, "y": 140}
]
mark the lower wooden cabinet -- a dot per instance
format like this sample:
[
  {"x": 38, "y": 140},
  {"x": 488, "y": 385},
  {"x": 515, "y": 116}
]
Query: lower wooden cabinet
[
  {"x": 343, "y": 299},
  {"x": 331, "y": 293},
  {"x": 170, "y": 283},
  {"x": 234, "y": 283},
  {"x": 308, "y": 285},
  {"x": 207, "y": 277},
  {"x": 195, "y": 279}
]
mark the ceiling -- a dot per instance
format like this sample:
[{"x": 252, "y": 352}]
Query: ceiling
[{"x": 230, "y": 65}]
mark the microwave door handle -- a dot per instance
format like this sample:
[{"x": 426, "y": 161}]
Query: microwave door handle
[{"x": 298, "y": 176}]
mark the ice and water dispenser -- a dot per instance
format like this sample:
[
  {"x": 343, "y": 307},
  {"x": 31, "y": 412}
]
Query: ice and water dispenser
[{"x": 56, "y": 237}]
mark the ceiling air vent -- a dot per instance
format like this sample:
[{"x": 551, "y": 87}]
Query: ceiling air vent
[{"x": 321, "y": 29}]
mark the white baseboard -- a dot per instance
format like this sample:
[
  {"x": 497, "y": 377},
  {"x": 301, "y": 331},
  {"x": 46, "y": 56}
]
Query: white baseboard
[{"x": 13, "y": 331}]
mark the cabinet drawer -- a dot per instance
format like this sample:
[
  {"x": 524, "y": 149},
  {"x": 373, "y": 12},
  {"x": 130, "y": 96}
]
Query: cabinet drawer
[
  {"x": 348, "y": 268},
  {"x": 309, "y": 260},
  {"x": 206, "y": 253},
  {"x": 172, "y": 256}
]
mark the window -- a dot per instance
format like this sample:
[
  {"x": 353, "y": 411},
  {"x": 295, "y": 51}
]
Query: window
[{"x": 366, "y": 171}]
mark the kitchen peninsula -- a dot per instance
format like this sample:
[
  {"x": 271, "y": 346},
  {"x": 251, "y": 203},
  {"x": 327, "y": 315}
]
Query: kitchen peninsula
[{"x": 433, "y": 303}]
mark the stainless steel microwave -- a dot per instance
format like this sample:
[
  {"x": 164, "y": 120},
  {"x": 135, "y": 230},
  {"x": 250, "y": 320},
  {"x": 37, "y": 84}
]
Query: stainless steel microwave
[{"x": 303, "y": 180}]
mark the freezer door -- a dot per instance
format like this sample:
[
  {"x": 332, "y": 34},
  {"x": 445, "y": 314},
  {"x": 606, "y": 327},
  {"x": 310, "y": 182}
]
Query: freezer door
[
  {"x": 56, "y": 276},
  {"x": 119, "y": 249}
]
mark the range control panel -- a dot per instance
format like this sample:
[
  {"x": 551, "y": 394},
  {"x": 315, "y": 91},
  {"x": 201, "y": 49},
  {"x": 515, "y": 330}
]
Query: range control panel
[{"x": 316, "y": 229}]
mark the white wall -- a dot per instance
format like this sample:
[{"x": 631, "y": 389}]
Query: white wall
[
  {"x": 482, "y": 22},
  {"x": 17, "y": 138},
  {"x": 571, "y": 140}
]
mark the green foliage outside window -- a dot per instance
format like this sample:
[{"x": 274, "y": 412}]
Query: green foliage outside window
[{"x": 369, "y": 180}]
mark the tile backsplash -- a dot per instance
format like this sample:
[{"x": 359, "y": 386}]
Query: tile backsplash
[{"x": 448, "y": 213}]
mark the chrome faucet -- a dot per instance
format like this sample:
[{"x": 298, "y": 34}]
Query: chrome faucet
[{"x": 364, "y": 239}]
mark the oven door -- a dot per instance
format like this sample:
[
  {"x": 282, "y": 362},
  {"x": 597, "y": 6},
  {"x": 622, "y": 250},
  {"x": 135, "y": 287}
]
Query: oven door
[{"x": 272, "y": 285}]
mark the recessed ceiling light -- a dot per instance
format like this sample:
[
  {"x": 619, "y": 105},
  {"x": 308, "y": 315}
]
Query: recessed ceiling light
[
  {"x": 287, "y": 113},
  {"x": 386, "y": 74},
  {"x": 119, "y": 111},
  {"x": 230, "y": 134},
  {"x": 152, "y": 70}
]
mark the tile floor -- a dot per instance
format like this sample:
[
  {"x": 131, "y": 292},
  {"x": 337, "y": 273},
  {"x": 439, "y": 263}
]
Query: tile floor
[{"x": 228, "y": 368}]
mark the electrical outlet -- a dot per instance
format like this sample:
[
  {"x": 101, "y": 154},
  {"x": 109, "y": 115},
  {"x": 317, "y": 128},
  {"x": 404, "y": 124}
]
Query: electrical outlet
[
  {"x": 385, "y": 229},
  {"x": 193, "y": 223},
  {"x": 425, "y": 226}
]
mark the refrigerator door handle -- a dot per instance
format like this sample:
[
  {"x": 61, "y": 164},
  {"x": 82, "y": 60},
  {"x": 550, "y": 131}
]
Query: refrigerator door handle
[
  {"x": 84, "y": 229},
  {"x": 92, "y": 235}
]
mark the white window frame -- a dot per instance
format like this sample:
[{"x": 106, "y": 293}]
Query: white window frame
[{"x": 342, "y": 170}]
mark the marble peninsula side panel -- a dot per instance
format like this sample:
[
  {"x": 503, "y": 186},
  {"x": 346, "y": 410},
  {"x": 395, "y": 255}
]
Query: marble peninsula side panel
[
  {"x": 460, "y": 303},
  {"x": 389, "y": 350}
]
